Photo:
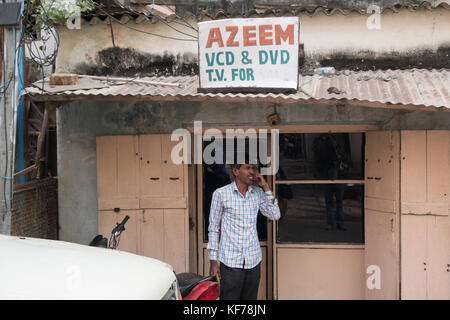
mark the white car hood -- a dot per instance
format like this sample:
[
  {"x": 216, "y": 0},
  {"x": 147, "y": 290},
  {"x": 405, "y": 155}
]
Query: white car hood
[{"x": 48, "y": 269}]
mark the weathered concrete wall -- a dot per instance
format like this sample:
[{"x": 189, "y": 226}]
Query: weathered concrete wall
[
  {"x": 405, "y": 39},
  {"x": 80, "y": 122},
  {"x": 78, "y": 50}
]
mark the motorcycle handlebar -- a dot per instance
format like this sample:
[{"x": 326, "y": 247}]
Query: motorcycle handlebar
[
  {"x": 121, "y": 226},
  {"x": 125, "y": 220}
]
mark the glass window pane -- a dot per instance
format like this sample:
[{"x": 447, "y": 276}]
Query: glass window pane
[
  {"x": 323, "y": 156},
  {"x": 313, "y": 213}
]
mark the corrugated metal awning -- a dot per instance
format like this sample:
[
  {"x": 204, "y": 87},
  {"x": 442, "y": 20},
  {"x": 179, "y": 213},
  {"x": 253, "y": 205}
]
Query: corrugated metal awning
[
  {"x": 405, "y": 89},
  {"x": 138, "y": 11}
]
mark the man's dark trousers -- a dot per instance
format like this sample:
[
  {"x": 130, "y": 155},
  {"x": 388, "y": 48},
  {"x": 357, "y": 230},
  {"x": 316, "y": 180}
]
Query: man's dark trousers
[{"x": 239, "y": 283}]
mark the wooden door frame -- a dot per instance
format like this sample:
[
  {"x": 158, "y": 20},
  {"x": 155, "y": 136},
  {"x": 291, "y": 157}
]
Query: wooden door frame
[
  {"x": 270, "y": 244},
  {"x": 314, "y": 129},
  {"x": 201, "y": 246}
]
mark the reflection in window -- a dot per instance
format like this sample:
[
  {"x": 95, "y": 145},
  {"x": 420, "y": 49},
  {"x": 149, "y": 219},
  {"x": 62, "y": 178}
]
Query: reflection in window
[
  {"x": 331, "y": 213},
  {"x": 310, "y": 156}
]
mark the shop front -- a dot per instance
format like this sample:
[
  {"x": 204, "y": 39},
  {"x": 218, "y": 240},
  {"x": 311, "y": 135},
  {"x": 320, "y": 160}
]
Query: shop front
[{"x": 374, "y": 227}]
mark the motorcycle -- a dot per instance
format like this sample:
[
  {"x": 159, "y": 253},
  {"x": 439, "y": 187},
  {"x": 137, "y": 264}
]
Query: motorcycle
[{"x": 191, "y": 286}]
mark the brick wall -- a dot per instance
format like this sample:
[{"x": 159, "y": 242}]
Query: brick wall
[{"x": 35, "y": 209}]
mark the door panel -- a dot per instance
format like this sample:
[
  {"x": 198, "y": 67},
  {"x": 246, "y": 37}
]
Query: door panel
[
  {"x": 174, "y": 239},
  {"x": 150, "y": 166},
  {"x": 380, "y": 164},
  {"x": 172, "y": 174},
  {"x": 152, "y": 233},
  {"x": 127, "y": 168},
  {"x": 381, "y": 211},
  {"x": 106, "y": 170},
  {"x": 438, "y": 183},
  {"x": 438, "y": 252},
  {"x": 380, "y": 251},
  {"x": 117, "y": 172},
  {"x": 414, "y": 257},
  {"x": 164, "y": 202},
  {"x": 425, "y": 168},
  {"x": 312, "y": 274},
  {"x": 414, "y": 169}
]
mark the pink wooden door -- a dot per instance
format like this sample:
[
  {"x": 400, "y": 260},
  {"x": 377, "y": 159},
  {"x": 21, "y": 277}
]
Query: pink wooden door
[
  {"x": 381, "y": 212},
  {"x": 425, "y": 190},
  {"x": 137, "y": 172}
]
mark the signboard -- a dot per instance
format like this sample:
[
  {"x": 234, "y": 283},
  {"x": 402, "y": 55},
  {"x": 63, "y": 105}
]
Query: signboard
[{"x": 258, "y": 54}]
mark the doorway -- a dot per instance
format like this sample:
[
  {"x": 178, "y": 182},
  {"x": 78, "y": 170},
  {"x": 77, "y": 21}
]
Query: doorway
[
  {"x": 319, "y": 239},
  {"x": 303, "y": 258},
  {"x": 211, "y": 176}
]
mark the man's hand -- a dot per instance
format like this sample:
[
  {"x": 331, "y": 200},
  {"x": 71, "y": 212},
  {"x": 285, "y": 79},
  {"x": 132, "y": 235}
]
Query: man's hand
[
  {"x": 260, "y": 181},
  {"x": 214, "y": 269}
]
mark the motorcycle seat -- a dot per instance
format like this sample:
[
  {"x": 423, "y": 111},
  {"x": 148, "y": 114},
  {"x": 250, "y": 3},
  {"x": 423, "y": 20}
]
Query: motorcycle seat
[{"x": 187, "y": 281}]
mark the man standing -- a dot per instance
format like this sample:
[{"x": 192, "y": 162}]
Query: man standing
[{"x": 234, "y": 250}]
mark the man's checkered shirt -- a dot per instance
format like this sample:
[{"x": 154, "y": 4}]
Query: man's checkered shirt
[{"x": 233, "y": 238}]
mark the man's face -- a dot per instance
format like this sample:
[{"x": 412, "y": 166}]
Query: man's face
[{"x": 245, "y": 174}]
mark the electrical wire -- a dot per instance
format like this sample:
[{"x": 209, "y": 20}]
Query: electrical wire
[
  {"x": 38, "y": 54},
  {"x": 138, "y": 30},
  {"x": 41, "y": 61},
  {"x": 179, "y": 17},
  {"x": 6, "y": 84},
  {"x": 4, "y": 177},
  {"x": 47, "y": 27},
  {"x": 164, "y": 20},
  {"x": 8, "y": 160},
  {"x": 166, "y": 23},
  {"x": 41, "y": 58}
]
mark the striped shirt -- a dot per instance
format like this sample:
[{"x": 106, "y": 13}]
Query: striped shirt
[{"x": 232, "y": 220}]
